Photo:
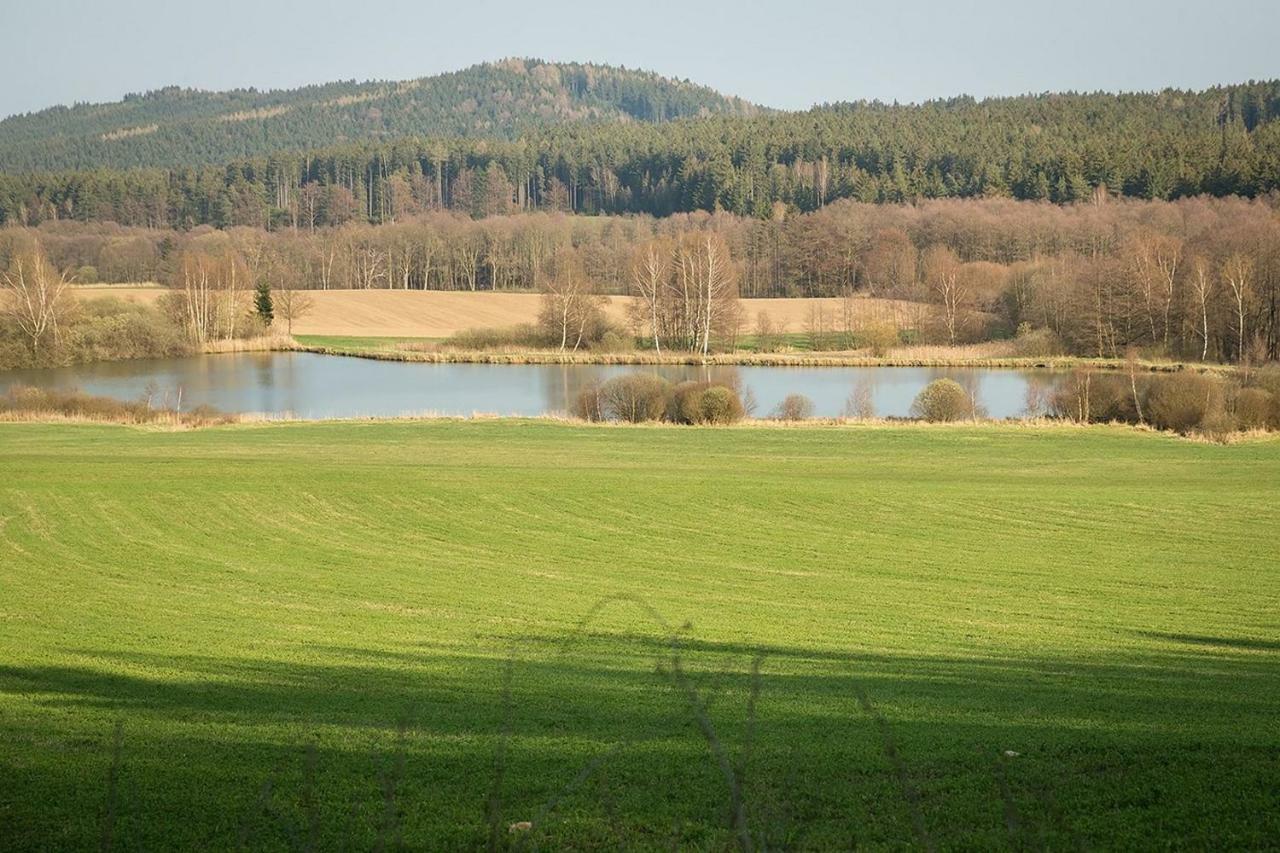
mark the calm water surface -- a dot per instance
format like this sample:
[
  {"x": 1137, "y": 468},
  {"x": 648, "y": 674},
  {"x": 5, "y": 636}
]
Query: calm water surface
[{"x": 307, "y": 385}]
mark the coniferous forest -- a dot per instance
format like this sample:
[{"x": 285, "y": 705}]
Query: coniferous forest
[{"x": 522, "y": 135}]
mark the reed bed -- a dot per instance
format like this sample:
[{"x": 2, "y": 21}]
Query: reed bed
[
  {"x": 981, "y": 355},
  {"x": 26, "y": 404},
  {"x": 265, "y": 343}
]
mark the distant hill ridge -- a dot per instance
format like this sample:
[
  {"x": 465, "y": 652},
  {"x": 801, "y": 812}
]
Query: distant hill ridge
[
  {"x": 183, "y": 127},
  {"x": 523, "y": 134}
]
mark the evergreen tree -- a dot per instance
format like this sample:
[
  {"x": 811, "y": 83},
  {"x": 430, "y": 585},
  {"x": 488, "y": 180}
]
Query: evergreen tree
[{"x": 262, "y": 302}]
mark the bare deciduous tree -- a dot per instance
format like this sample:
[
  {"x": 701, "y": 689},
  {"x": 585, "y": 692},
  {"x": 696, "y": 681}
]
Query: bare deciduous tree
[
  {"x": 650, "y": 271},
  {"x": 942, "y": 269},
  {"x": 292, "y": 304},
  {"x": 1155, "y": 259},
  {"x": 37, "y": 296},
  {"x": 1202, "y": 286},
  {"x": 708, "y": 284},
  {"x": 1237, "y": 270},
  {"x": 568, "y": 304},
  {"x": 209, "y": 295}
]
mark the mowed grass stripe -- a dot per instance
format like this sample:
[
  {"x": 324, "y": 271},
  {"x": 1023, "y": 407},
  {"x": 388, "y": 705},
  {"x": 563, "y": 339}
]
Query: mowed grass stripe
[{"x": 1102, "y": 602}]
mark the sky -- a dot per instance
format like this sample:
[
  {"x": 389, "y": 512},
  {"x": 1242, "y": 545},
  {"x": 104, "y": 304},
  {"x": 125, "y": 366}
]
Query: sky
[{"x": 786, "y": 53}]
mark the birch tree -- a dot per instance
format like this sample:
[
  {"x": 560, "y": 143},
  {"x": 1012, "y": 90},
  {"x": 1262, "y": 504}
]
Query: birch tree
[
  {"x": 942, "y": 269},
  {"x": 568, "y": 305},
  {"x": 1155, "y": 259},
  {"x": 650, "y": 271},
  {"x": 1237, "y": 271},
  {"x": 708, "y": 285},
  {"x": 37, "y": 297},
  {"x": 1202, "y": 287}
]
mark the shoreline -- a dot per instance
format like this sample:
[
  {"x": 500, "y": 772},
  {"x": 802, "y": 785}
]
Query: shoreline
[
  {"x": 646, "y": 358},
  {"x": 258, "y": 421},
  {"x": 834, "y": 359}
]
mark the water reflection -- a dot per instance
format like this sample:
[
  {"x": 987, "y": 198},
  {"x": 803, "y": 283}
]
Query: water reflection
[{"x": 315, "y": 386}]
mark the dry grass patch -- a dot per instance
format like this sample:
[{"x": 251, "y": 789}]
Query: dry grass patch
[
  {"x": 26, "y": 404},
  {"x": 266, "y": 343}
]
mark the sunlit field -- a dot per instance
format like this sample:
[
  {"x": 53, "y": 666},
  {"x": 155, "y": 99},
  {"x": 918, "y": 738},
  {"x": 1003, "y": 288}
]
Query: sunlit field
[
  {"x": 459, "y": 635},
  {"x": 437, "y": 314}
]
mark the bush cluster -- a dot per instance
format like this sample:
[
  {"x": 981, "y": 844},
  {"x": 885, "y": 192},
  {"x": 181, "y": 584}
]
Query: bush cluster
[
  {"x": 943, "y": 401},
  {"x": 704, "y": 403},
  {"x": 22, "y": 401},
  {"x": 1036, "y": 343},
  {"x": 640, "y": 397},
  {"x": 794, "y": 407},
  {"x": 105, "y": 329},
  {"x": 1182, "y": 402},
  {"x": 879, "y": 338},
  {"x": 507, "y": 337}
]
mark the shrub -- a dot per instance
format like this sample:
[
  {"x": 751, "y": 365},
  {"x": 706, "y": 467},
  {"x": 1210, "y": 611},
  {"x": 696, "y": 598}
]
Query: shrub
[
  {"x": 105, "y": 329},
  {"x": 1036, "y": 343},
  {"x": 521, "y": 335},
  {"x": 1113, "y": 399},
  {"x": 110, "y": 329},
  {"x": 1218, "y": 425},
  {"x": 720, "y": 405},
  {"x": 14, "y": 351},
  {"x": 24, "y": 402},
  {"x": 879, "y": 338},
  {"x": 1254, "y": 408},
  {"x": 684, "y": 402},
  {"x": 768, "y": 336},
  {"x": 1268, "y": 379},
  {"x": 615, "y": 340},
  {"x": 1090, "y": 397},
  {"x": 860, "y": 403},
  {"x": 1181, "y": 401},
  {"x": 86, "y": 275},
  {"x": 943, "y": 400},
  {"x": 588, "y": 404},
  {"x": 635, "y": 397},
  {"x": 795, "y": 407}
]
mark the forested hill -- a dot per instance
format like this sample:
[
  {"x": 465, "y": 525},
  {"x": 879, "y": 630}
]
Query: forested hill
[
  {"x": 1062, "y": 148},
  {"x": 175, "y": 127}
]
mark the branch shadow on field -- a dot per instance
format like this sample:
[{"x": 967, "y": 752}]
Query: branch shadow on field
[
  {"x": 1245, "y": 643},
  {"x": 615, "y": 739}
]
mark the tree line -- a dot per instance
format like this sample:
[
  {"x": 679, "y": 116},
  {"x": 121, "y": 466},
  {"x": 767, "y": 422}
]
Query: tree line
[
  {"x": 1062, "y": 148},
  {"x": 1193, "y": 278}
]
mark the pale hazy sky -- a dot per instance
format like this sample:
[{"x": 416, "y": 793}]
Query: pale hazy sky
[{"x": 784, "y": 54}]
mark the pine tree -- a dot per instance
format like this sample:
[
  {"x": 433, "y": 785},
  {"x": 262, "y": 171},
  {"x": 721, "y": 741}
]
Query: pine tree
[{"x": 262, "y": 302}]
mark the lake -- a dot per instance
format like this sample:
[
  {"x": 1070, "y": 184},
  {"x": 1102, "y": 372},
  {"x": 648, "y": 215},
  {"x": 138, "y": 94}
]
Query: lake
[{"x": 307, "y": 385}]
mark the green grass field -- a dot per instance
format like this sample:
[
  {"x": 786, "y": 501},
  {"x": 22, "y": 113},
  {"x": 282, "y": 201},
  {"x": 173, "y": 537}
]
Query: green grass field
[
  {"x": 358, "y": 342},
  {"x": 414, "y": 634}
]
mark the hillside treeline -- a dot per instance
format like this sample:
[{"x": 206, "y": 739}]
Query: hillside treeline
[
  {"x": 1195, "y": 278},
  {"x": 1060, "y": 148}
]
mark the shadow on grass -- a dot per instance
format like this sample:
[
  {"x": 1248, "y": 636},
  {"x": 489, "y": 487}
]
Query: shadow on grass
[
  {"x": 1249, "y": 643},
  {"x": 613, "y": 740}
]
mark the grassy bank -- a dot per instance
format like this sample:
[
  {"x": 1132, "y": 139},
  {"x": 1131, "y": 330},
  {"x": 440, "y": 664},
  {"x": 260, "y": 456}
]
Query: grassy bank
[
  {"x": 343, "y": 634},
  {"x": 426, "y": 351}
]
